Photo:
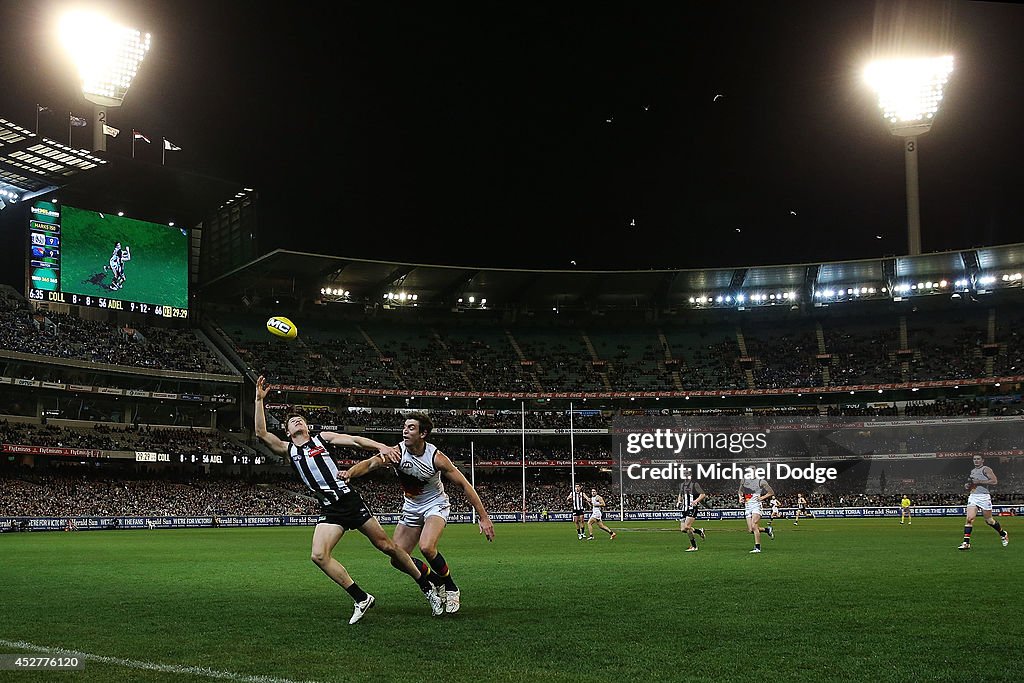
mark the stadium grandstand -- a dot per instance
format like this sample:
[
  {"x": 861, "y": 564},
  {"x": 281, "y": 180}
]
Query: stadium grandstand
[{"x": 145, "y": 403}]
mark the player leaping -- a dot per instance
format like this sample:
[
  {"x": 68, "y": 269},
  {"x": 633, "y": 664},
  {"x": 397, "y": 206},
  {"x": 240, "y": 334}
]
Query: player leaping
[
  {"x": 342, "y": 508},
  {"x": 116, "y": 265}
]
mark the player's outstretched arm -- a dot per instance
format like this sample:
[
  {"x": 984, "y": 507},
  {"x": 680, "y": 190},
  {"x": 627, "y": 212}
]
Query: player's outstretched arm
[
  {"x": 700, "y": 494},
  {"x": 361, "y": 442},
  {"x": 767, "y": 489},
  {"x": 364, "y": 467},
  {"x": 452, "y": 473},
  {"x": 273, "y": 442}
]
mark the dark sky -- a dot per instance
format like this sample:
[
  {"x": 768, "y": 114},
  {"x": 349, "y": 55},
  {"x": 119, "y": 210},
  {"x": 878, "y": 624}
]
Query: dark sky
[{"x": 479, "y": 133}]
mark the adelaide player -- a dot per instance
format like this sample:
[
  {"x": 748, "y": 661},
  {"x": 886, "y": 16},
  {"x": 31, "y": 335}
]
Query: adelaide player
[
  {"x": 419, "y": 466},
  {"x": 980, "y": 498}
]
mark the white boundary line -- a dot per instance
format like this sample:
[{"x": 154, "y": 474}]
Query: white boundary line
[{"x": 146, "y": 666}]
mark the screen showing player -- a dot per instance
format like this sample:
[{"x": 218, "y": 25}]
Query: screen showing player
[{"x": 108, "y": 256}]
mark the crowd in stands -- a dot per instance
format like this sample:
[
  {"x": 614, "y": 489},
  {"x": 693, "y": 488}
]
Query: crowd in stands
[
  {"x": 61, "y": 335},
  {"x": 104, "y": 436},
  {"x": 69, "y": 492}
]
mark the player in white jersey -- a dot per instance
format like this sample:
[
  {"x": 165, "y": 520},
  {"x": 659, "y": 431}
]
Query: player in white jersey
[
  {"x": 419, "y": 466},
  {"x": 597, "y": 502},
  {"x": 980, "y": 497},
  {"x": 751, "y": 493},
  {"x": 775, "y": 508},
  {"x": 580, "y": 501},
  {"x": 342, "y": 508}
]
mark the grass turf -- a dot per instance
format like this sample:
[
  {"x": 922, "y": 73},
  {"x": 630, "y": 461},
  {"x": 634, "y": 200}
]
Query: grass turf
[{"x": 828, "y": 600}]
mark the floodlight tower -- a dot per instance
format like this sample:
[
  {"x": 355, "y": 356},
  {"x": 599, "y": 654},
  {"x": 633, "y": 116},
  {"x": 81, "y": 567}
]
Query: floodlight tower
[
  {"x": 108, "y": 56},
  {"x": 909, "y": 92}
]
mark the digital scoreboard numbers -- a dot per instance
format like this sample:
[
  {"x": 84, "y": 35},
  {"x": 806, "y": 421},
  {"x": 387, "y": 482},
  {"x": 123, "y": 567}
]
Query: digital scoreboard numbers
[{"x": 87, "y": 258}]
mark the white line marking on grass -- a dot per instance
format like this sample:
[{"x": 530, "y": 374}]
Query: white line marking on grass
[{"x": 147, "y": 666}]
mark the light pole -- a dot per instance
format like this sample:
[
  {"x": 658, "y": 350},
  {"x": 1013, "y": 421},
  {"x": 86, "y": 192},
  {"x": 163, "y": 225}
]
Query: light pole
[
  {"x": 108, "y": 57},
  {"x": 909, "y": 92}
]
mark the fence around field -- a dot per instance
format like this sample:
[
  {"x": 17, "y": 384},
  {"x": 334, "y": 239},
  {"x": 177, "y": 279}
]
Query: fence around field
[{"x": 228, "y": 521}]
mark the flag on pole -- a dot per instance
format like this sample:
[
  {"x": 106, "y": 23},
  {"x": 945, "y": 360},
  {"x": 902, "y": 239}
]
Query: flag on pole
[
  {"x": 136, "y": 135},
  {"x": 78, "y": 122},
  {"x": 40, "y": 109},
  {"x": 110, "y": 130},
  {"x": 170, "y": 146}
]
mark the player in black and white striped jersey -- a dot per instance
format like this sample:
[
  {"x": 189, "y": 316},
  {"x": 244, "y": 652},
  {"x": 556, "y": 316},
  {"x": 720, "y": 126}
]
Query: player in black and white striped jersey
[
  {"x": 342, "y": 507},
  {"x": 580, "y": 501},
  {"x": 691, "y": 495}
]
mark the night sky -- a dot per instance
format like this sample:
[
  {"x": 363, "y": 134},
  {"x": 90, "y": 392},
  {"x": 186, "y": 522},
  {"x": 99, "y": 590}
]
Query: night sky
[{"x": 615, "y": 135}]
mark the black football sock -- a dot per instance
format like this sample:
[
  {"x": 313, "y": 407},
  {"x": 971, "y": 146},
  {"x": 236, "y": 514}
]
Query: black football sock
[
  {"x": 440, "y": 567},
  {"x": 427, "y": 577},
  {"x": 357, "y": 593}
]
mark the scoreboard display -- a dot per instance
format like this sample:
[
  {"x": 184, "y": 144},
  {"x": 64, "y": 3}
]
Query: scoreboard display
[{"x": 101, "y": 260}]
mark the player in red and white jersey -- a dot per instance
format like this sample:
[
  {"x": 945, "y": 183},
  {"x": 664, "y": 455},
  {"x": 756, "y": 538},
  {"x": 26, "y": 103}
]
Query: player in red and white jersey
[
  {"x": 980, "y": 498},
  {"x": 419, "y": 467},
  {"x": 751, "y": 493}
]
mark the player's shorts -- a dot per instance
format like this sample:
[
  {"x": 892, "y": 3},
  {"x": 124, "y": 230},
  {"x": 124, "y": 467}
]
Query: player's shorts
[
  {"x": 579, "y": 513},
  {"x": 775, "y": 509},
  {"x": 981, "y": 500},
  {"x": 688, "y": 512},
  {"x": 752, "y": 507},
  {"x": 349, "y": 512},
  {"x": 596, "y": 514},
  {"x": 415, "y": 514}
]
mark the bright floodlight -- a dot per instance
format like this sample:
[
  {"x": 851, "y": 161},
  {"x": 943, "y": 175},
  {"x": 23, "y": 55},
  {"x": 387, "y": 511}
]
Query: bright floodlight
[
  {"x": 909, "y": 90},
  {"x": 107, "y": 55}
]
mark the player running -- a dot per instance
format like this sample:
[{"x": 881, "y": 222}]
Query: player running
[
  {"x": 905, "y": 510},
  {"x": 690, "y": 497},
  {"x": 597, "y": 502},
  {"x": 980, "y": 479},
  {"x": 801, "y": 506},
  {"x": 419, "y": 466},
  {"x": 751, "y": 493},
  {"x": 341, "y": 507},
  {"x": 580, "y": 501},
  {"x": 776, "y": 514}
]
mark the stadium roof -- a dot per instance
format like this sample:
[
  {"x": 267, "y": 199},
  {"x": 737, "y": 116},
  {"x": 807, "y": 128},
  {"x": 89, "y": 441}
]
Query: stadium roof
[
  {"x": 284, "y": 273},
  {"x": 31, "y": 165}
]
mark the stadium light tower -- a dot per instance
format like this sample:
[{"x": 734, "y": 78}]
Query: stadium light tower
[
  {"x": 108, "y": 56},
  {"x": 909, "y": 92}
]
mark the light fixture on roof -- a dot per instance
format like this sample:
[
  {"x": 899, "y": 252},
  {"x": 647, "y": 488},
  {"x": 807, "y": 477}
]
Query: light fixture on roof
[
  {"x": 108, "y": 57},
  {"x": 909, "y": 92}
]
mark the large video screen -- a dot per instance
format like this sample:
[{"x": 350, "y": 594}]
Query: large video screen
[{"x": 90, "y": 258}]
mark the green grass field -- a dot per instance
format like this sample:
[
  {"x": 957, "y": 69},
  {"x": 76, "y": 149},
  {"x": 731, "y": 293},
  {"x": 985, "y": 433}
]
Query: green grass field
[
  {"x": 856, "y": 600},
  {"x": 157, "y": 273}
]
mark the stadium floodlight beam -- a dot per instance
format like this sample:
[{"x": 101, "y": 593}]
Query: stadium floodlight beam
[
  {"x": 909, "y": 92},
  {"x": 108, "y": 57}
]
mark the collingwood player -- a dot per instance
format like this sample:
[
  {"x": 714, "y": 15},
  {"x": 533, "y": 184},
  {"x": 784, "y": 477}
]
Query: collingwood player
[
  {"x": 980, "y": 497},
  {"x": 580, "y": 501},
  {"x": 801, "y": 507},
  {"x": 342, "y": 508},
  {"x": 419, "y": 466},
  {"x": 751, "y": 493},
  {"x": 116, "y": 265},
  {"x": 690, "y": 497}
]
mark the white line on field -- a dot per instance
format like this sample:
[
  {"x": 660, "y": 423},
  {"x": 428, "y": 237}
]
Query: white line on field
[{"x": 146, "y": 666}]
